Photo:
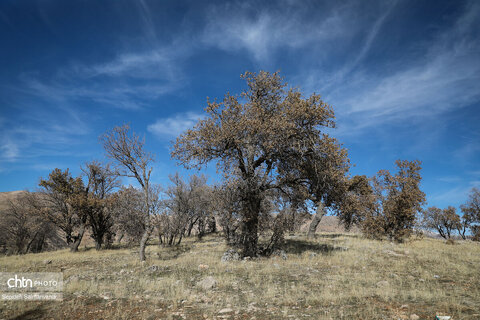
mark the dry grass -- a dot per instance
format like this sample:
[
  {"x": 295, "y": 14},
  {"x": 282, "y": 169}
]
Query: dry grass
[{"x": 335, "y": 276}]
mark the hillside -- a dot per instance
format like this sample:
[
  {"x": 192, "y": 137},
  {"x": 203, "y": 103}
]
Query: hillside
[
  {"x": 335, "y": 276},
  {"x": 5, "y": 197},
  {"x": 329, "y": 224}
]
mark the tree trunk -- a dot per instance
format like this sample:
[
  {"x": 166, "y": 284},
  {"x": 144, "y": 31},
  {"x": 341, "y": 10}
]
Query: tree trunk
[
  {"x": 250, "y": 226},
  {"x": 212, "y": 224},
  {"x": 180, "y": 239},
  {"x": 31, "y": 242},
  {"x": 316, "y": 219},
  {"x": 440, "y": 231},
  {"x": 143, "y": 242},
  {"x": 78, "y": 239},
  {"x": 160, "y": 241},
  {"x": 98, "y": 237},
  {"x": 190, "y": 228},
  {"x": 250, "y": 237},
  {"x": 201, "y": 228},
  {"x": 119, "y": 239}
]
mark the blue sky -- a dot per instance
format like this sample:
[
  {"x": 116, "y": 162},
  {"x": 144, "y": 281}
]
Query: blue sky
[{"x": 402, "y": 76}]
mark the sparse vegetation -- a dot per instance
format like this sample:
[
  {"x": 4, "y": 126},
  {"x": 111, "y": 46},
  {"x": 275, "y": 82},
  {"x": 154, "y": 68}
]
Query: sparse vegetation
[
  {"x": 444, "y": 221},
  {"x": 278, "y": 167},
  {"x": 331, "y": 276},
  {"x": 397, "y": 202},
  {"x": 471, "y": 213}
]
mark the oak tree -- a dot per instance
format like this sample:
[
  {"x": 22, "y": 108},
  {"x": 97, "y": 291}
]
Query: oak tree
[
  {"x": 444, "y": 221},
  {"x": 61, "y": 194},
  {"x": 98, "y": 201},
  {"x": 398, "y": 200},
  {"x": 250, "y": 135},
  {"x": 471, "y": 213}
]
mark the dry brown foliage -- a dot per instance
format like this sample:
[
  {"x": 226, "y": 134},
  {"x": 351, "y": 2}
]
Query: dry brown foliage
[{"x": 252, "y": 135}]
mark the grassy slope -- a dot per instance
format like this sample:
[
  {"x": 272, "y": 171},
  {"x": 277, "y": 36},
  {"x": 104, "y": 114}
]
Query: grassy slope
[{"x": 334, "y": 276}]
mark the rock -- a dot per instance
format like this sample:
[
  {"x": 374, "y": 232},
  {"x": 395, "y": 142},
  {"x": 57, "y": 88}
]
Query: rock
[
  {"x": 230, "y": 255},
  {"x": 393, "y": 253},
  {"x": 73, "y": 278},
  {"x": 382, "y": 284},
  {"x": 226, "y": 310},
  {"x": 47, "y": 261},
  {"x": 153, "y": 268},
  {"x": 207, "y": 283},
  {"x": 280, "y": 253},
  {"x": 404, "y": 306},
  {"x": 203, "y": 266},
  {"x": 413, "y": 316}
]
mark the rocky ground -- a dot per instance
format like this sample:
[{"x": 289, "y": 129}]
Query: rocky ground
[{"x": 334, "y": 276}]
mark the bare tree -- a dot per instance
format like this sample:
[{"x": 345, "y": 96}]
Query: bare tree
[
  {"x": 128, "y": 210},
  {"x": 186, "y": 206},
  {"x": 250, "y": 136},
  {"x": 127, "y": 149},
  {"x": 24, "y": 228},
  {"x": 226, "y": 203}
]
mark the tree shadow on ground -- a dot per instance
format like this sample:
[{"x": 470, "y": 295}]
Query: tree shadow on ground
[
  {"x": 33, "y": 314},
  {"x": 169, "y": 253},
  {"x": 113, "y": 246},
  {"x": 336, "y": 235},
  {"x": 299, "y": 246}
]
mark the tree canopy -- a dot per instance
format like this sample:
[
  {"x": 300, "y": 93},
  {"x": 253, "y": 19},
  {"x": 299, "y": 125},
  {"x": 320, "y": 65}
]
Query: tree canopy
[{"x": 254, "y": 135}]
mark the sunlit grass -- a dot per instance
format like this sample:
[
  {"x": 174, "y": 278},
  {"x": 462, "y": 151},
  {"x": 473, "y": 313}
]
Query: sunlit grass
[{"x": 332, "y": 276}]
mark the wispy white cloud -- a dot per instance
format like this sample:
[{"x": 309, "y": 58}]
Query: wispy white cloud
[
  {"x": 450, "y": 179},
  {"x": 174, "y": 125},
  {"x": 238, "y": 26},
  {"x": 10, "y": 150},
  {"x": 447, "y": 77},
  {"x": 159, "y": 63},
  {"x": 124, "y": 82},
  {"x": 36, "y": 132},
  {"x": 369, "y": 39},
  {"x": 147, "y": 20},
  {"x": 453, "y": 196}
]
